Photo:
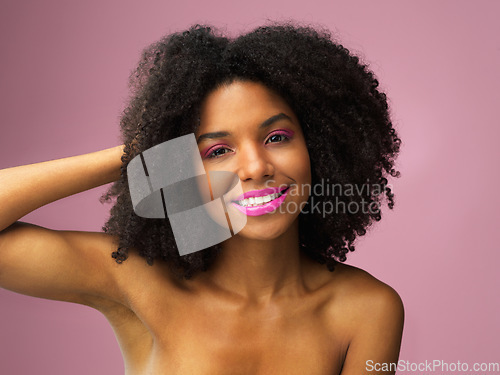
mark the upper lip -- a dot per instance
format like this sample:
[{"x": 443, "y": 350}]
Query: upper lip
[{"x": 260, "y": 193}]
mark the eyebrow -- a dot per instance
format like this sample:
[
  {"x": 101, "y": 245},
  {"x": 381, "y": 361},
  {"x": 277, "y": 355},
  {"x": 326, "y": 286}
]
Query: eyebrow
[{"x": 271, "y": 120}]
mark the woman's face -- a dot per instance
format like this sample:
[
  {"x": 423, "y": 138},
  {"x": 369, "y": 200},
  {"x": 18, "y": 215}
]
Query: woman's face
[{"x": 249, "y": 130}]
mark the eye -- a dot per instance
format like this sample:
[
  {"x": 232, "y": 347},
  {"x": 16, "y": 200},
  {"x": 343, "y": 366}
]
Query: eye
[
  {"x": 278, "y": 137},
  {"x": 216, "y": 152}
]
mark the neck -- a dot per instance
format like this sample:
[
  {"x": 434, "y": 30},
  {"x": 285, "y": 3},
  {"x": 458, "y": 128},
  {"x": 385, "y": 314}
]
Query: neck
[{"x": 260, "y": 271}]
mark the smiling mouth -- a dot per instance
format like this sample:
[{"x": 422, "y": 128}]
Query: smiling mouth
[{"x": 260, "y": 201}]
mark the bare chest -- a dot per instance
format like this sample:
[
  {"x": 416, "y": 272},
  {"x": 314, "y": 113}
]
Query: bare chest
[{"x": 216, "y": 341}]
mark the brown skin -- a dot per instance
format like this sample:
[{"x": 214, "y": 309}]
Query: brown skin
[{"x": 263, "y": 308}]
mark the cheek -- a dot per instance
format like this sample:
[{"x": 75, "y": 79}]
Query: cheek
[
  {"x": 303, "y": 164},
  {"x": 296, "y": 164}
]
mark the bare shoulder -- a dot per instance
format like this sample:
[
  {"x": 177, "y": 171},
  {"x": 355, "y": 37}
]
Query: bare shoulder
[
  {"x": 363, "y": 300},
  {"x": 357, "y": 284},
  {"x": 364, "y": 316}
]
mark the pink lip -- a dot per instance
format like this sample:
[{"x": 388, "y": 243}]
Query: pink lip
[
  {"x": 259, "y": 193},
  {"x": 264, "y": 208}
]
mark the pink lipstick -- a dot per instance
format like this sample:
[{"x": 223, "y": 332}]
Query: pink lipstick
[{"x": 260, "y": 202}]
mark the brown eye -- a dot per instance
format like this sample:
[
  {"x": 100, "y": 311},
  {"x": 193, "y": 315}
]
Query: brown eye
[
  {"x": 218, "y": 152},
  {"x": 276, "y": 138},
  {"x": 279, "y": 136}
]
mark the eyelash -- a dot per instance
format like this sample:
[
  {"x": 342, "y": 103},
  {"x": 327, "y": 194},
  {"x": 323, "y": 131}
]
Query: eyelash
[{"x": 210, "y": 153}]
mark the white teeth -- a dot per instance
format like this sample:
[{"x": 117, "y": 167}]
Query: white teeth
[{"x": 257, "y": 201}]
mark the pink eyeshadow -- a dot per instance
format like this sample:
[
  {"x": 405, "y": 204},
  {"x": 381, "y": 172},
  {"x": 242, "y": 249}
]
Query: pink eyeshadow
[
  {"x": 289, "y": 133},
  {"x": 208, "y": 149}
]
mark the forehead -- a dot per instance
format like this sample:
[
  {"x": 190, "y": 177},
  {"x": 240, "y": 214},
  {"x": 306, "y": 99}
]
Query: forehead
[{"x": 241, "y": 102}]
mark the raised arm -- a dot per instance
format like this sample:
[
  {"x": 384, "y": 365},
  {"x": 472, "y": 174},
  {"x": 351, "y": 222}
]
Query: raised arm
[
  {"x": 25, "y": 188},
  {"x": 63, "y": 265}
]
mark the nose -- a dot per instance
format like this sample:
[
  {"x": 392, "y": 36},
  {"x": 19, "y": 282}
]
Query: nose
[{"x": 254, "y": 164}]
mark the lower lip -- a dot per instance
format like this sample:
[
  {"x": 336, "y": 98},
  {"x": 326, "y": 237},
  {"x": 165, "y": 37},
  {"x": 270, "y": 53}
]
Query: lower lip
[{"x": 263, "y": 208}]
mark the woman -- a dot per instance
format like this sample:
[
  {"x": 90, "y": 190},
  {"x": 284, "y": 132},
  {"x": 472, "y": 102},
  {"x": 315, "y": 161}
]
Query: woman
[{"x": 286, "y": 110}]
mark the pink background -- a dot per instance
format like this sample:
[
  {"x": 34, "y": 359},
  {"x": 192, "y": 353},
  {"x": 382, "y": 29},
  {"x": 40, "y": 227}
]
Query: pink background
[{"x": 64, "y": 67}]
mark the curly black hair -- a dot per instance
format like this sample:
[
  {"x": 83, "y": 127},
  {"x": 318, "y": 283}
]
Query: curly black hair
[{"x": 344, "y": 118}]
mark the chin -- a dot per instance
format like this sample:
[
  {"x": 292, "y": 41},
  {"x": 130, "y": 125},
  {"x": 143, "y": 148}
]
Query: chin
[{"x": 264, "y": 231}]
